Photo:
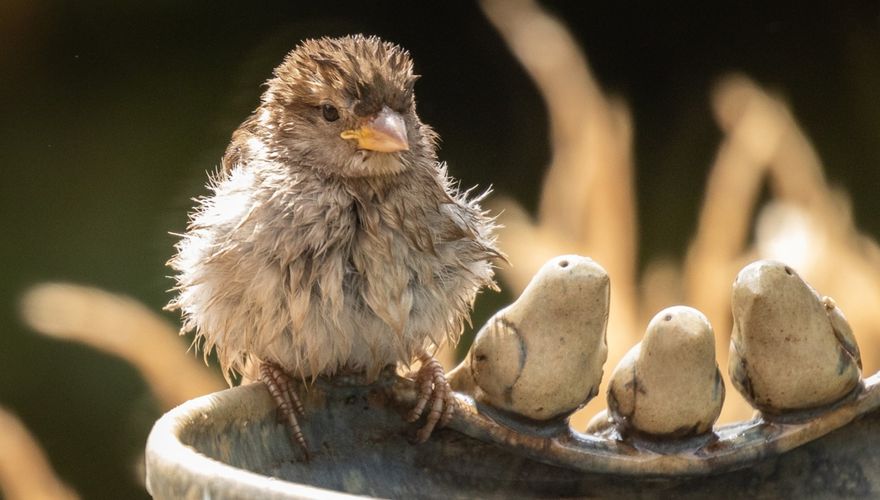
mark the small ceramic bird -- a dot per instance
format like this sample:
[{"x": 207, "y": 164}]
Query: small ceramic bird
[
  {"x": 669, "y": 384},
  {"x": 542, "y": 356},
  {"x": 790, "y": 348},
  {"x": 333, "y": 240}
]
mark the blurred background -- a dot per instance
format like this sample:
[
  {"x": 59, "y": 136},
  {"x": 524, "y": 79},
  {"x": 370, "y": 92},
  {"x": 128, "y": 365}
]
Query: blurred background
[{"x": 113, "y": 113}]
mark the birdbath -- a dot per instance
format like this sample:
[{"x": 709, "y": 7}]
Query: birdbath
[{"x": 231, "y": 445}]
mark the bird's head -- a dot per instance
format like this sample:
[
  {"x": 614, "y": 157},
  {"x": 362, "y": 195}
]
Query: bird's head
[{"x": 345, "y": 106}]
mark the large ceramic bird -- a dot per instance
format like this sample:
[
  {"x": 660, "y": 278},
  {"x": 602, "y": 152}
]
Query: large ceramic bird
[
  {"x": 333, "y": 240},
  {"x": 790, "y": 347},
  {"x": 542, "y": 357}
]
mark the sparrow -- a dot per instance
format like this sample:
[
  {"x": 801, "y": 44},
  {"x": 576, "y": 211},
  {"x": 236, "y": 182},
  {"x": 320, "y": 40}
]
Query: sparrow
[{"x": 333, "y": 240}]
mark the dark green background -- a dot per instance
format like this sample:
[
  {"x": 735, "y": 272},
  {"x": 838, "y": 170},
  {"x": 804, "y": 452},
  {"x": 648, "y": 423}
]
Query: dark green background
[{"x": 112, "y": 112}]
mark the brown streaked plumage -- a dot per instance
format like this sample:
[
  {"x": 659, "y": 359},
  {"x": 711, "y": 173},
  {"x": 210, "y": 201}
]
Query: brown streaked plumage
[{"x": 332, "y": 238}]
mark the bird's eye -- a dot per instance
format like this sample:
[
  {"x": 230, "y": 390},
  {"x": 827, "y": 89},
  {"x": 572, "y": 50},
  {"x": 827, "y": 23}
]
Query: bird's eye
[{"x": 331, "y": 114}]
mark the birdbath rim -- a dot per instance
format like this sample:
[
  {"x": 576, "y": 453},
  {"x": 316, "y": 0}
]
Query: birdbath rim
[{"x": 174, "y": 469}]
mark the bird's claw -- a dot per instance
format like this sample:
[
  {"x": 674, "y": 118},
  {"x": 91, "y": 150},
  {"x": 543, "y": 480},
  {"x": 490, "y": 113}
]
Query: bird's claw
[
  {"x": 434, "y": 388},
  {"x": 280, "y": 387}
]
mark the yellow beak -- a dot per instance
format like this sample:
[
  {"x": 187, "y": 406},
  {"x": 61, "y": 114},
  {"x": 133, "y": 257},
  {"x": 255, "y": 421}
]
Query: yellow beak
[{"x": 385, "y": 133}]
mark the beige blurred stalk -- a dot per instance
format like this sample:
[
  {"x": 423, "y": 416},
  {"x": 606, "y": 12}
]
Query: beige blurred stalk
[
  {"x": 588, "y": 203},
  {"x": 125, "y": 328},
  {"x": 806, "y": 224},
  {"x": 25, "y": 472},
  {"x": 588, "y": 207}
]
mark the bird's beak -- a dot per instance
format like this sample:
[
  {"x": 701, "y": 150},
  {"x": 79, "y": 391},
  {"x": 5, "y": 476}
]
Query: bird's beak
[{"x": 384, "y": 132}]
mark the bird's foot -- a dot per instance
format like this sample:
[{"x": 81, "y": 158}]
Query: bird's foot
[
  {"x": 280, "y": 386},
  {"x": 434, "y": 388}
]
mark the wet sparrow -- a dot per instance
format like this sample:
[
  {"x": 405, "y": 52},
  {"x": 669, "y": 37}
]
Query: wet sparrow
[{"x": 332, "y": 239}]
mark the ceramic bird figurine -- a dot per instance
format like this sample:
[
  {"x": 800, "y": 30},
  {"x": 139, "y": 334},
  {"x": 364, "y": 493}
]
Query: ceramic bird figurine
[
  {"x": 542, "y": 356},
  {"x": 669, "y": 385},
  {"x": 790, "y": 348},
  {"x": 333, "y": 240}
]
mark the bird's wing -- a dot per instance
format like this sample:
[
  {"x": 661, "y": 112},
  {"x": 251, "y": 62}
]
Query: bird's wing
[
  {"x": 464, "y": 220},
  {"x": 238, "y": 149},
  {"x": 738, "y": 367},
  {"x": 718, "y": 390},
  {"x": 455, "y": 225},
  {"x": 498, "y": 357},
  {"x": 623, "y": 388},
  {"x": 842, "y": 330}
]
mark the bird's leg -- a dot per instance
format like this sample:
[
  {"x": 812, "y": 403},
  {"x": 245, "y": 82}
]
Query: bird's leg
[
  {"x": 434, "y": 388},
  {"x": 280, "y": 387}
]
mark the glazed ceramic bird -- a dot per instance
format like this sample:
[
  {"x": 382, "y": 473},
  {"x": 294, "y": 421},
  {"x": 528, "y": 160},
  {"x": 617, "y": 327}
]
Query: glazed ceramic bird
[
  {"x": 333, "y": 240},
  {"x": 542, "y": 356},
  {"x": 790, "y": 348},
  {"x": 669, "y": 384}
]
